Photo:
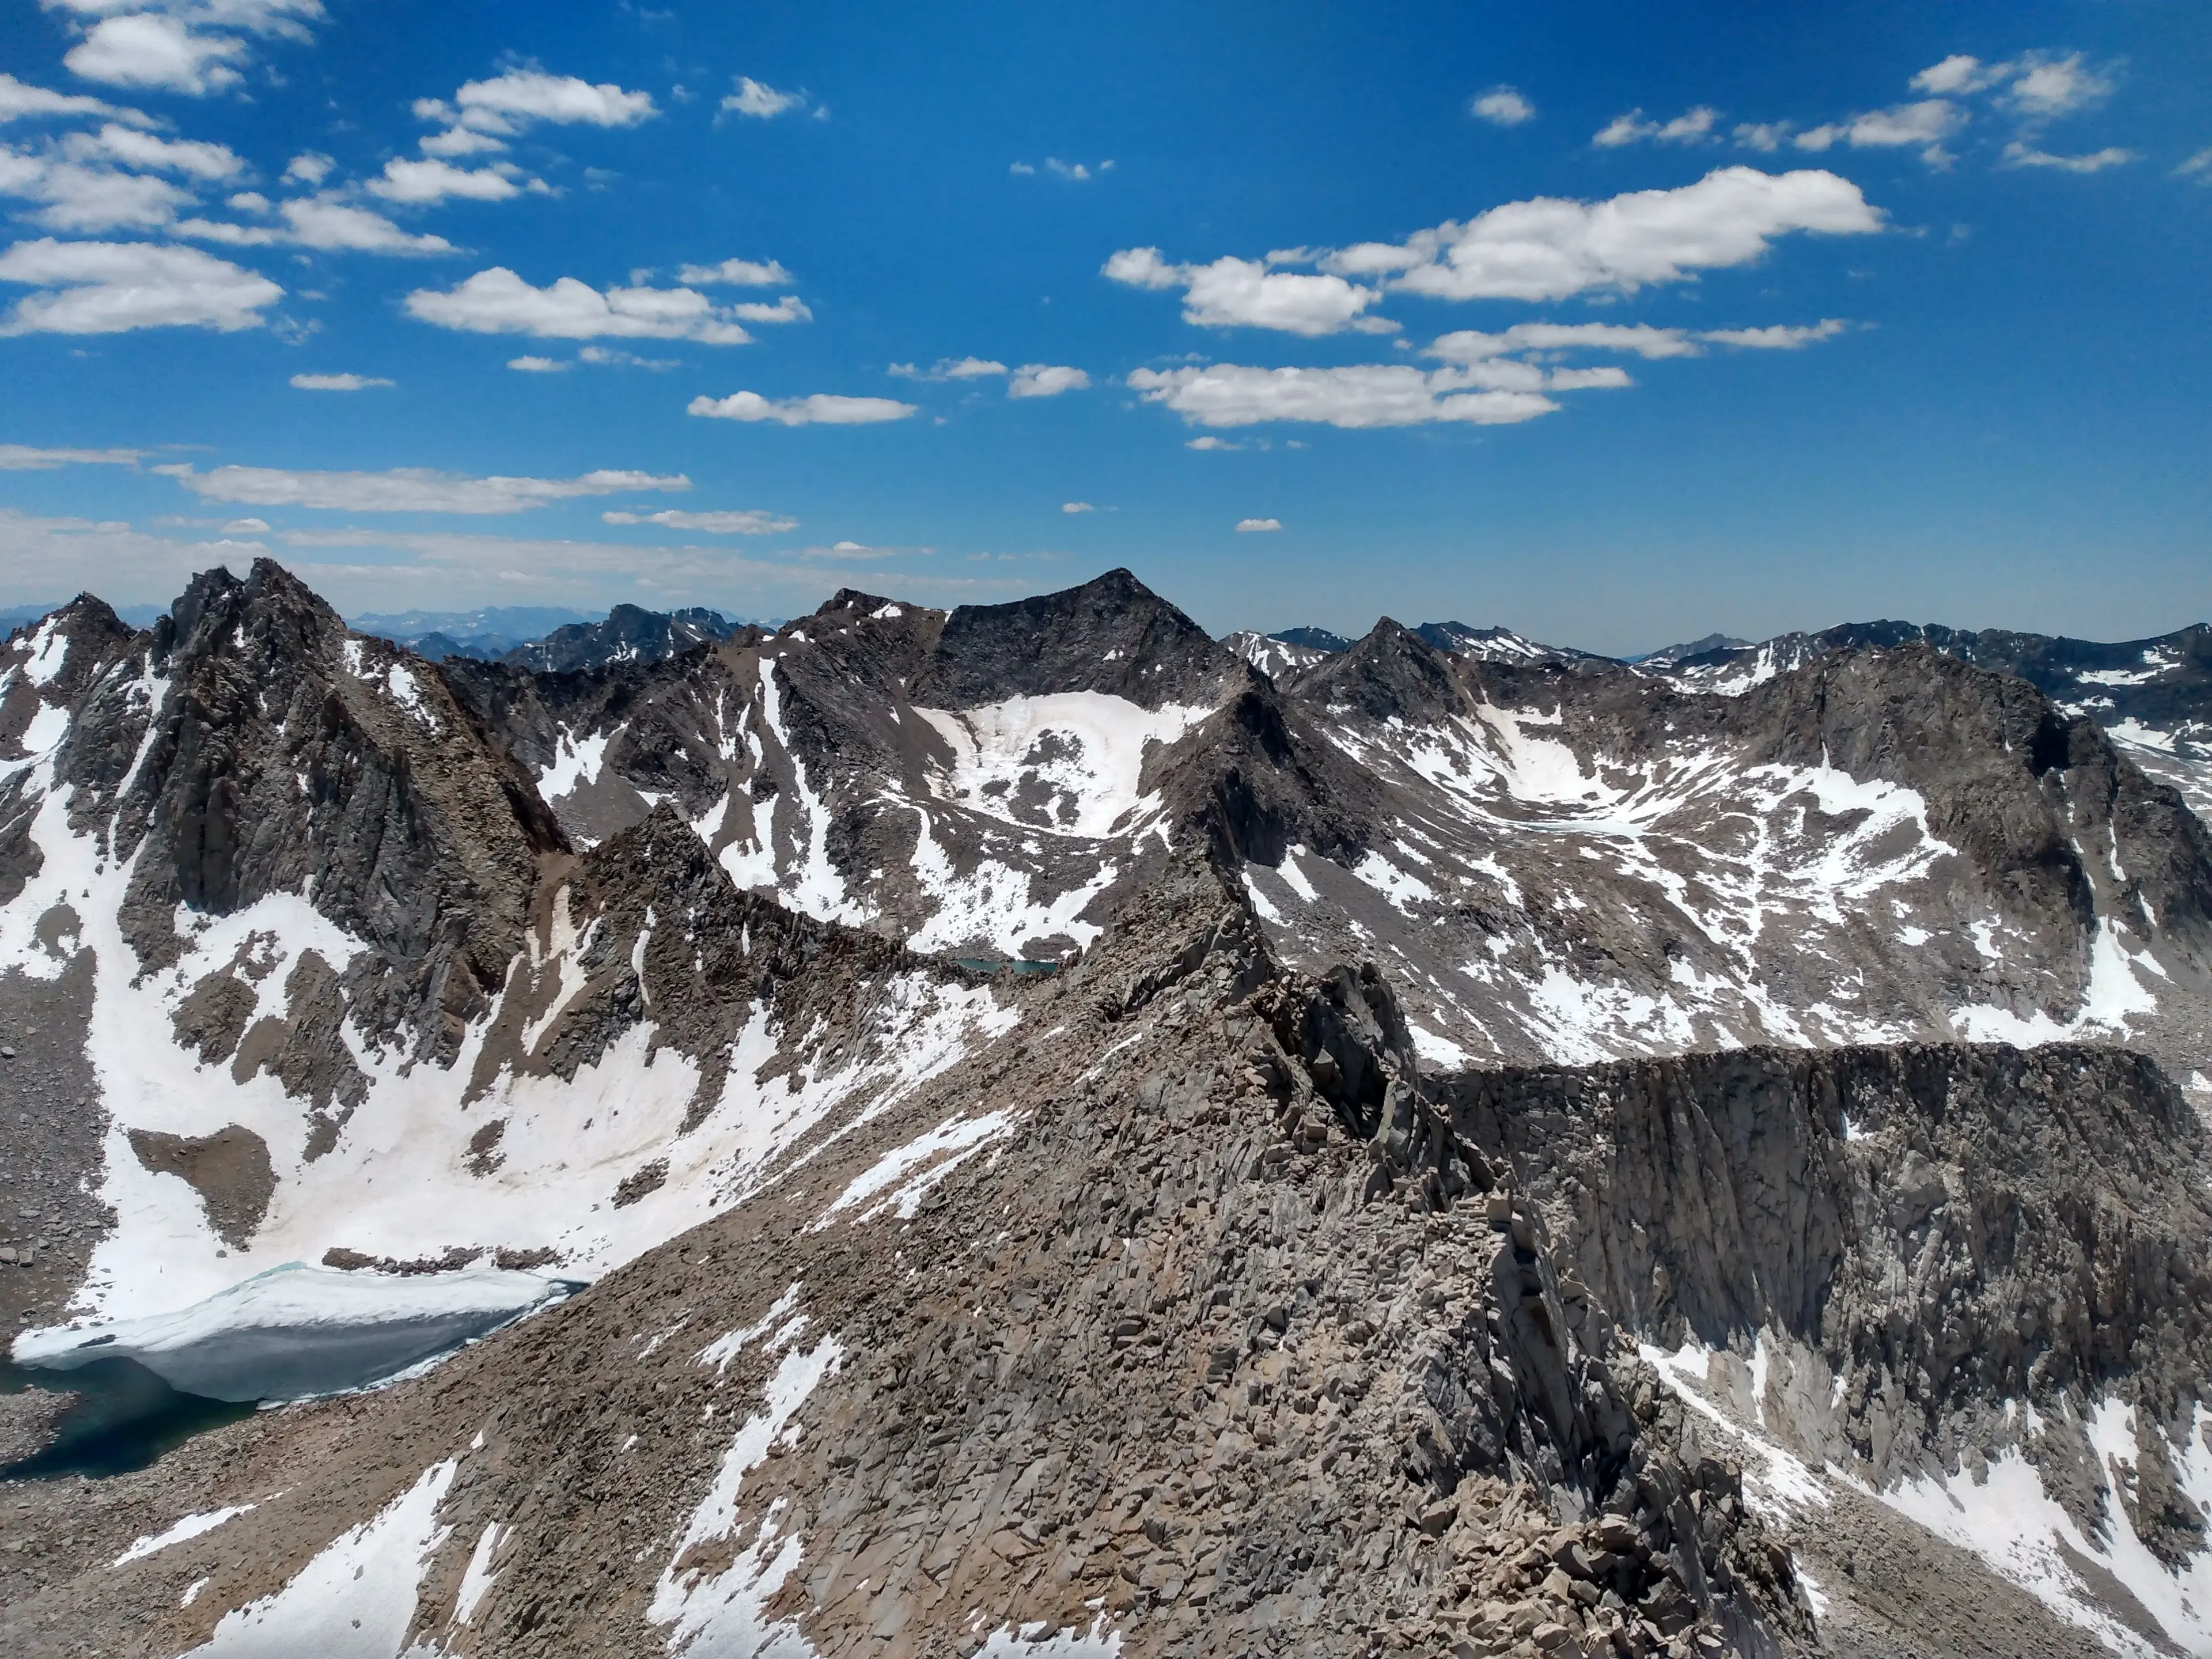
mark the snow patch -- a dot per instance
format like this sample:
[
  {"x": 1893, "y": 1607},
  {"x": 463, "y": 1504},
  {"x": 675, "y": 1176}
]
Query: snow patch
[
  {"x": 355, "y": 1600},
  {"x": 1038, "y": 1640},
  {"x": 954, "y": 1143},
  {"x": 476, "y": 1577},
  {"x": 576, "y": 764},
  {"x": 726, "y": 1612},
  {"x": 1071, "y": 758},
  {"x": 191, "y": 1527}
]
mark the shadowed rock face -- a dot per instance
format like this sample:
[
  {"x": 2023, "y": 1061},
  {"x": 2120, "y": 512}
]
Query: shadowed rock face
[
  {"x": 249, "y": 747},
  {"x": 2155, "y": 696},
  {"x": 1112, "y": 634},
  {"x": 1918, "y": 1217}
]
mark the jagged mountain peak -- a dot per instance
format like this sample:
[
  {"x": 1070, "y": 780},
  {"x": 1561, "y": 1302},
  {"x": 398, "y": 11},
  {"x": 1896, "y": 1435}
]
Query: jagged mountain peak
[
  {"x": 269, "y": 610},
  {"x": 1276, "y": 657},
  {"x": 1390, "y": 672},
  {"x": 1111, "y": 635}
]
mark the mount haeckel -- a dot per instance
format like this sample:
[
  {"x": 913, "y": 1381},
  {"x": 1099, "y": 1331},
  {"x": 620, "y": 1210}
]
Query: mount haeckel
[{"x": 1514, "y": 1152}]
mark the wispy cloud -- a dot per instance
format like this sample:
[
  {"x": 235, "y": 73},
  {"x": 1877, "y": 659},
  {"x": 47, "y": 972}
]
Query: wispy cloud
[
  {"x": 819, "y": 409},
  {"x": 949, "y": 369},
  {"x": 752, "y": 522},
  {"x": 1693, "y": 126},
  {"x": 406, "y": 489},
  {"x": 2019, "y": 153},
  {"x": 25, "y": 457},
  {"x": 338, "y": 382}
]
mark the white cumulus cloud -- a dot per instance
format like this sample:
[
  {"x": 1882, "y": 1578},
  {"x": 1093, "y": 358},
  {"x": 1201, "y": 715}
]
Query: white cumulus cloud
[
  {"x": 191, "y": 46},
  {"x": 1248, "y": 526},
  {"x": 1077, "y": 507},
  {"x": 521, "y": 96},
  {"x": 76, "y": 198},
  {"x": 2045, "y": 85},
  {"x": 118, "y": 145},
  {"x": 819, "y": 409},
  {"x": 406, "y": 489},
  {"x": 1501, "y": 106},
  {"x": 1924, "y": 124},
  {"x": 149, "y": 49},
  {"x": 1045, "y": 380},
  {"x": 1550, "y": 247},
  {"x": 1245, "y": 293},
  {"x": 430, "y": 179},
  {"x": 789, "y": 309},
  {"x": 324, "y": 221},
  {"x": 1470, "y": 345},
  {"x": 498, "y": 302},
  {"x": 338, "y": 382},
  {"x": 750, "y": 523},
  {"x": 483, "y": 115},
  {"x": 1777, "y": 336},
  {"x": 108, "y": 288},
  {"x": 538, "y": 365}
]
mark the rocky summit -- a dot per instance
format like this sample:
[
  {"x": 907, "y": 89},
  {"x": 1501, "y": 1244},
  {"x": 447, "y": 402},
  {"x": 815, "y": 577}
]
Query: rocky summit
[{"x": 1027, "y": 1130}]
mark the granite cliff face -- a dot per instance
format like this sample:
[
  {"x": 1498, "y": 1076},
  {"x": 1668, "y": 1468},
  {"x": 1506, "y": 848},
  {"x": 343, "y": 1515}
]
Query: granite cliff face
[{"x": 1500, "y": 1163}]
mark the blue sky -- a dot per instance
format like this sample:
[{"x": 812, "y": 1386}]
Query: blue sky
[{"x": 1614, "y": 323}]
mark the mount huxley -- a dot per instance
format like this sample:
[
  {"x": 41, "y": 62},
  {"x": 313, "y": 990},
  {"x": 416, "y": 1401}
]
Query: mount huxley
[{"x": 1028, "y": 1130}]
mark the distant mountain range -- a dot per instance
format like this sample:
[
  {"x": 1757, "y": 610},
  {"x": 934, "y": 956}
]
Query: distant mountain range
[{"x": 630, "y": 634}]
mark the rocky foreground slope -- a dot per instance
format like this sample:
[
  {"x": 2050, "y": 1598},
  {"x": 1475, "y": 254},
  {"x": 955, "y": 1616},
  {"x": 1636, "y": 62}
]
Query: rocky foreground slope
[{"x": 1296, "y": 1268}]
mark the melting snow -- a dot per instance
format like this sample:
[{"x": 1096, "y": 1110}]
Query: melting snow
[
  {"x": 576, "y": 763},
  {"x": 191, "y": 1527},
  {"x": 356, "y": 1599},
  {"x": 1081, "y": 749},
  {"x": 1040, "y": 1641},
  {"x": 954, "y": 1143},
  {"x": 476, "y": 1577},
  {"x": 726, "y": 1612},
  {"x": 2009, "y": 1519}
]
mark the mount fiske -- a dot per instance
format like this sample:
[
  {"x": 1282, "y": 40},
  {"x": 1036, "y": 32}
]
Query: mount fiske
[{"x": 1065, "y": 1143}]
